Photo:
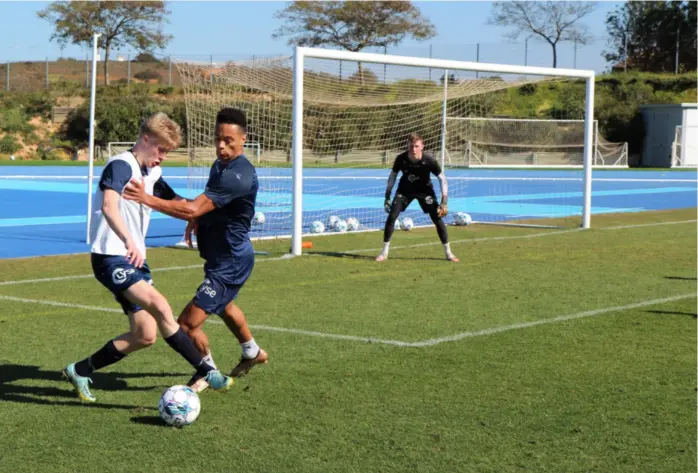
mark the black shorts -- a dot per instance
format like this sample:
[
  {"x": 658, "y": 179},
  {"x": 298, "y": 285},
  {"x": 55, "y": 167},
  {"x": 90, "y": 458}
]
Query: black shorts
[
  {"x": 117, "y": 274},
  {"x": 427, "y": 201}
]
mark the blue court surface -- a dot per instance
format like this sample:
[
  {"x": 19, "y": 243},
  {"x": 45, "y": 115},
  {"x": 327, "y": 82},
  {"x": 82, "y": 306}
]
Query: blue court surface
[{"x": 44, "y": 209}]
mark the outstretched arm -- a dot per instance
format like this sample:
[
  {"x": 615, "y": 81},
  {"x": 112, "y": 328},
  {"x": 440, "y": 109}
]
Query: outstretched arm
[
  {"x": 389, "y": 190},
  {"x": 177, "y": 208}
]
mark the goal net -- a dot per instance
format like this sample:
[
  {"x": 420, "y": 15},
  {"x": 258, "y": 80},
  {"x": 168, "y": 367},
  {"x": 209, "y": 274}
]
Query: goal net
[{"x": 353, "y": 112}]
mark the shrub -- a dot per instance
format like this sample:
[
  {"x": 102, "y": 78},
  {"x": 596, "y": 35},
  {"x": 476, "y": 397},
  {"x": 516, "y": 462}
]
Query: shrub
[
  {"x": 147, "y": 75},
  {"x": 9, "y": 145}
]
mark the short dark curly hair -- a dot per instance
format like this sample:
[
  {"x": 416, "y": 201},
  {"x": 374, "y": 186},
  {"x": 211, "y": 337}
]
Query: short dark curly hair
[{"x": 232, "y": 116}]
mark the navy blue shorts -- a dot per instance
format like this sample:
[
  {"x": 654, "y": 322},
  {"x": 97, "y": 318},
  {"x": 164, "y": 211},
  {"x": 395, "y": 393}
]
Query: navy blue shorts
[
  {"x": 223, "y": 283},
  {"x": 117, "y": 274}
]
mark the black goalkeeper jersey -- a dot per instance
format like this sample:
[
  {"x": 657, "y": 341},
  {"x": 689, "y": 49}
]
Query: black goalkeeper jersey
[{"x": 416, "y": 176}]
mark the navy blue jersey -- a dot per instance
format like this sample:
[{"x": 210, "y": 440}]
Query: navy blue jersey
[
  {"x": 117, "y": 173},
  {"x": 224, "y": 232}
]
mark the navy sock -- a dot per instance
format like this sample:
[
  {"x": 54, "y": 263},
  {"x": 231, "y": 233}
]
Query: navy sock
[
  {"x": 105, "y": 356},
  {"x": 182, "y": 344}
]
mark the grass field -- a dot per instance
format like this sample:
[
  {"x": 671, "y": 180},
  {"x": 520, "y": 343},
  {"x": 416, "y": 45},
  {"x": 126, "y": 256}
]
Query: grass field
[{"x": 542, "y": 351}]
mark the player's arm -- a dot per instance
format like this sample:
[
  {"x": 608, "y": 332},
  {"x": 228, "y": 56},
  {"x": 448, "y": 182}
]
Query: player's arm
[
  {"x": 114, "y": 179},
  {"x": 443, "y": 184},
  {"x": 391, "y": 182},
  {"x": 216, "y": 195},
  {"x": 163, "y": 190}
]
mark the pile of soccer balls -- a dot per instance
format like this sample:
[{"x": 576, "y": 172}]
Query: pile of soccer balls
[
  {"x": 179, "y": 406},
  {"x": 335, "y": 224}
]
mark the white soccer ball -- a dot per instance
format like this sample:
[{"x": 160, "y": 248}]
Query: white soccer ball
[
  {"x": 463, "y": 218},
  {"x": 340, "y": 226},
  {"x": 407, "y": 224},
  {"x": 12, "y": 158},
  {"x": 317, "y": 227},
  {"x": 352, "y": 224},
  {"x": 179, "y": 406},
  {"x": 259, "y": 218},
  {"x": 332, "y": 222}
]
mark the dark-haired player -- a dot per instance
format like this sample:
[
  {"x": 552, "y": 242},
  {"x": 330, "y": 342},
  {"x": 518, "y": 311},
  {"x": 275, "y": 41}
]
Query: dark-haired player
[
  {"x": 415, "y": 183},
  {"x": 221, "y": 218}
]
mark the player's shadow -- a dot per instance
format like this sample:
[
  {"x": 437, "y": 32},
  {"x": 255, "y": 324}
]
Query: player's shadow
[
  {"x": 11, "y": 390},
  {"x": 679, "y": 278},
  {"x": 672, "y": 312},
  {"x": 339, "y": 254}
]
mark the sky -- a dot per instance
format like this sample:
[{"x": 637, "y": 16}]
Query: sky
[{"x": 238, "y": 30}]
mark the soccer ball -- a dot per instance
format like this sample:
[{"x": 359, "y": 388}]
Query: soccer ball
[
  {"x": 332, "y": 222},
  {"x": 317, "y": 227},
  {"x": 463, "y": 218},
  {"x": 179, "y": 406},
  {"x": 340, "y": 226},
  {"x": 407, "y": 224},
  {"x": 352, "y": 224},
  {"x": 259, "y": 218}
]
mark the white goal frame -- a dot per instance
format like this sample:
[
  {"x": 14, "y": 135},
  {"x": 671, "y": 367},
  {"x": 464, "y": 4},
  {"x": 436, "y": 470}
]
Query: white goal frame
[{"x": 301, "y": 53}]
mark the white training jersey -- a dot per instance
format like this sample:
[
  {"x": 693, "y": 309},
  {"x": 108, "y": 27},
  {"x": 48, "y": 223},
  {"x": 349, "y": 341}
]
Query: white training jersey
[{"x": 116, "y": 174}]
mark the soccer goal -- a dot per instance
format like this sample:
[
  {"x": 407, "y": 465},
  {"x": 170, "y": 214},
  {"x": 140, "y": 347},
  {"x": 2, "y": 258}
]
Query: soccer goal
[
  {"x": 684, "y": 149},
  {"x": 330, "y": 123}
]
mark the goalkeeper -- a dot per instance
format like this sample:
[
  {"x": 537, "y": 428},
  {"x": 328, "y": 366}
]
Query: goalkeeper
[{"x": 415, "y": 183}]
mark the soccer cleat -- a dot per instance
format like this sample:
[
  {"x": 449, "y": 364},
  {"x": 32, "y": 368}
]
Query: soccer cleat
[
  {"x": 246, "y": 364},
  {"x": 217, "y": 380},
  {"x": 81, "y": 383},
  {"x": 381, "y": 257},
  {"x": 197, "y": 383},
  {"x": 452, "y": 257}
]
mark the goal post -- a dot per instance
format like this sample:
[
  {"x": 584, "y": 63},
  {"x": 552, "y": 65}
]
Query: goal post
[{"x": 303, "y": 54}]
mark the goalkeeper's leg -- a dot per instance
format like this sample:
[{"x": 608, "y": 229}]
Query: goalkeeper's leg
[
  {"x": 395, "y": 209},
  {"x": 443, "y": 234}
]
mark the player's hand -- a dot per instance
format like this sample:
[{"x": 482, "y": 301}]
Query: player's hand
[
  {"x": 442, "y": 211},
  {"x": 386, "y": 205},
  {"x": 134, "y": 190},
  {"x": 133, "y": 254},
  {"x": 192, "y": 229}
]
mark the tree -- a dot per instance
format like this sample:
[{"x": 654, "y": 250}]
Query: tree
[
  {"x": 651, "y": 30},
  {"x": 554, "y": 22},
  {"x": 136, "y": 24},
  {"x": 352, "y": 25}
]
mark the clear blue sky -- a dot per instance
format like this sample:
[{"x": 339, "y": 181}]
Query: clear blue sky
[{"x": 242, "y": 29}]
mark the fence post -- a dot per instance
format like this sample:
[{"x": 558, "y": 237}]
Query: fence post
[
  {"x": 47, "y": 72},
  {"x": 477, "y": 59},
  {"x": 7, "y": 77},
  {"x": 128, "y": 69},
  {"x": 526, "y": 52},
  {"x": 169, "y": 71},
  {"x": 87, "y": 70},
  {"x": 575, "y": 54},
  {"x": 430, "y": 45},
  {"x": 385, "y": 66}
]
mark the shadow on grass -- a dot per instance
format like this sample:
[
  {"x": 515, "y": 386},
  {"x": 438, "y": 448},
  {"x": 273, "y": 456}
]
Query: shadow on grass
[
  {"x": 679, "y": 278},
  {"x": 13, "y": 392},
  {"x": 339, "y": 254},
  {"x": 154, "y": 421},
  {"x": 672, "y": 312}
]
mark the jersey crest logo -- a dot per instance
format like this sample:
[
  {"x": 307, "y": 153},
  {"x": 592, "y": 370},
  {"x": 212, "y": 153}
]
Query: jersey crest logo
[
  {"x": 429, "y": 200},
  {"x": 412, "y": 178},
  {"x": 119, "y": 275}
]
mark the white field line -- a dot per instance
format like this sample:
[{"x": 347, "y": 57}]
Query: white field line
[
  {"x": 418, "y": 344},
  {"x": 383, "y": 178},
  {"x": 419, "y": 245}
]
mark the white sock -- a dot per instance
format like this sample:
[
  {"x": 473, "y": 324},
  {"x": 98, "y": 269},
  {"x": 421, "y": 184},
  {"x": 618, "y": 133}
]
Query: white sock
[
  {"x": 250, "y": 349},
  {"x": 386, "y": 248},
  {"x": 209, "y": 360},
  {"x": 447, "y": 248}
]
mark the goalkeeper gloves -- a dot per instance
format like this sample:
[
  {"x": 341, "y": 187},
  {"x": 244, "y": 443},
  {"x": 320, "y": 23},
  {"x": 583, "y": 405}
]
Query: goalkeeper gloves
[
  {"x": 442, "y": 211},
  {"x": 386, "y": 205}
]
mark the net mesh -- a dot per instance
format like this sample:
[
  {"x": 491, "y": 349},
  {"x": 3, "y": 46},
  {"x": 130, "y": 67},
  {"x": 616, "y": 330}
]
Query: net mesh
[{"x": 356, "y": 118}]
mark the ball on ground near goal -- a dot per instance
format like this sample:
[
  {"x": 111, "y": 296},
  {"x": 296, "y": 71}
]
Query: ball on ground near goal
[
  {"x": 463, "y": 218},
  {"x": 332, "y": 221},
  {"x": 407, "y": 224},
  {"x": 179, "y": 406},
  {"x": 352, "y": 224},
  {"x": 340, "y": 226},
  {"x": 317, "y": 227},
  {"x": 259, "y": 218}
]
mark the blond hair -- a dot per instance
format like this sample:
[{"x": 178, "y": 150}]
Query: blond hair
[
  {"x": 413, "y": 138},
  {"x": 166, "y": 131}
]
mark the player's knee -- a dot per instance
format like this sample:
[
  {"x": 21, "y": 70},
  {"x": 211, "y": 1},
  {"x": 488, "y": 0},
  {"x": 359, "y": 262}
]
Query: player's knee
[{"x": 147, "y": 339}]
